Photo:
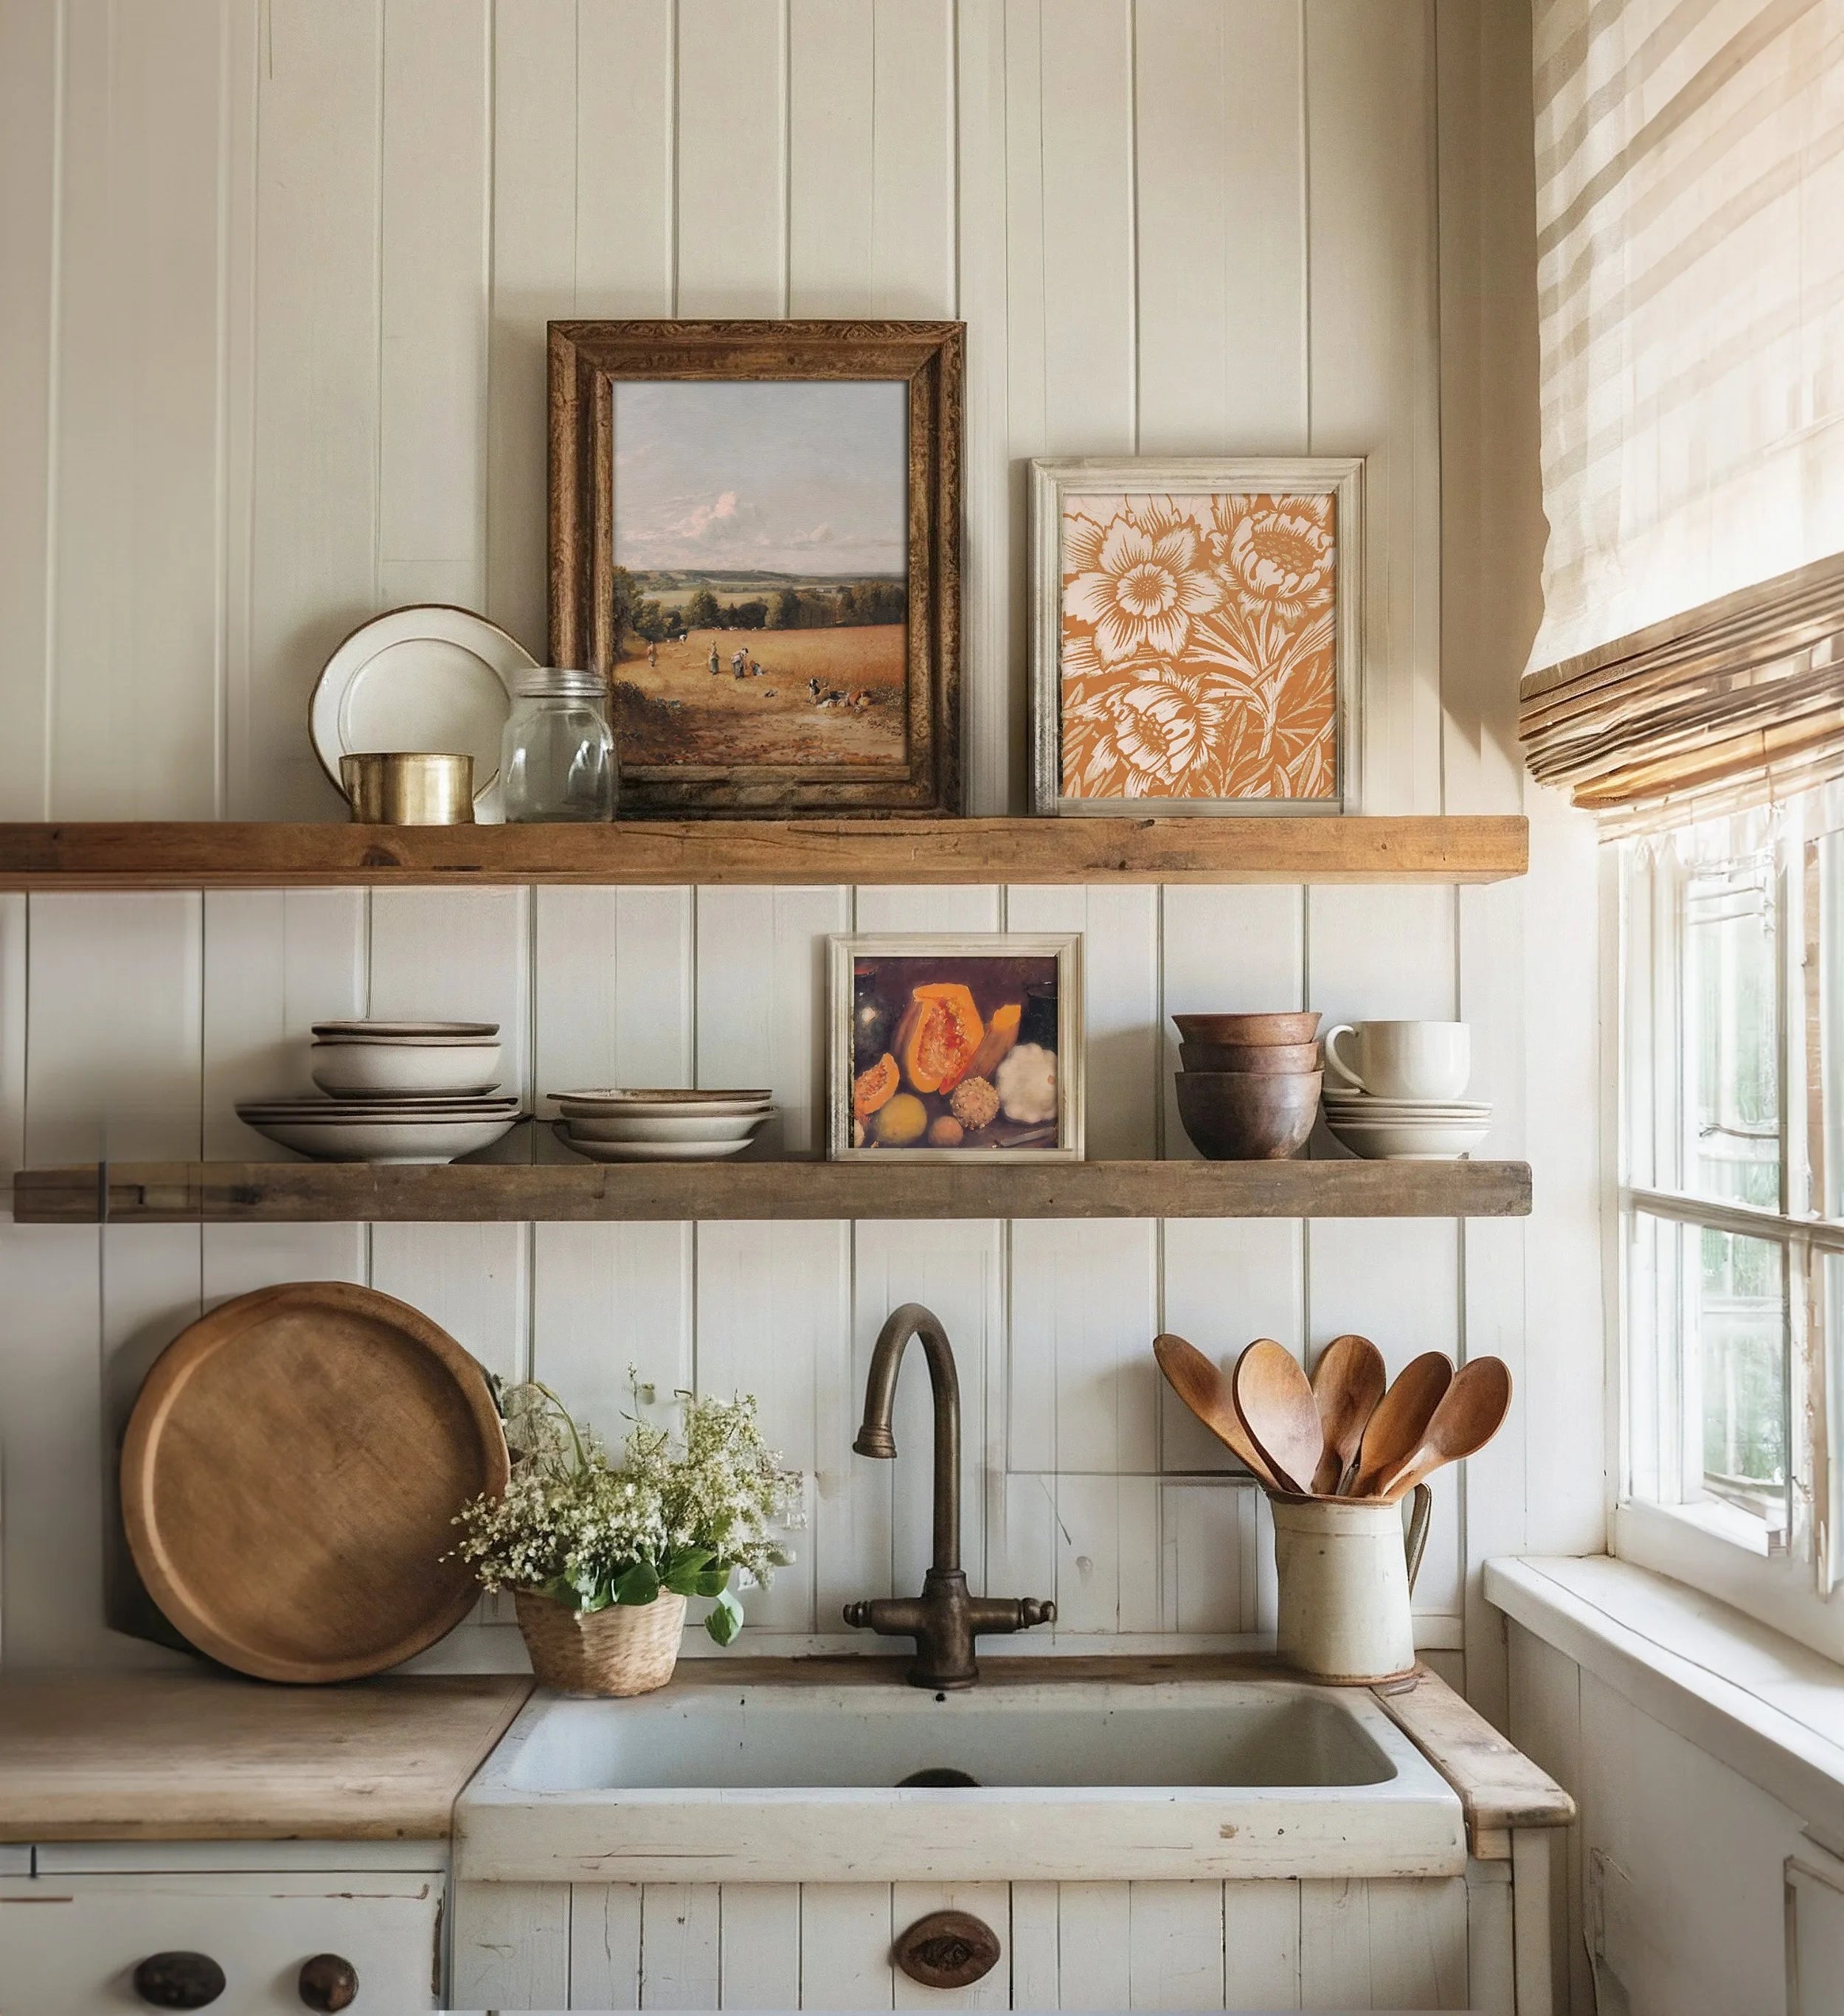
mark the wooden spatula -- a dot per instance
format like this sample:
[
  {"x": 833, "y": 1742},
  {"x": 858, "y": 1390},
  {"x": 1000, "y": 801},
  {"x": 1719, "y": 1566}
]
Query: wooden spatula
[
  {"x": 1393, "y": 1432},
  {"x": 1467, "y": 1416},
  {"x": 1202, "y": 1386},
  {"x": 1347, "y": 1382},
  {"x": 1275, "y": 1402}
]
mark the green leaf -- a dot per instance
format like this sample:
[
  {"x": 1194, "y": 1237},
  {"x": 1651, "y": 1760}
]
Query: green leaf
[
  {"x": 637, "y": 1585},
  {"x": 713, "y": 1581},
  {"x": 725, "y": 1619},
  {"x": 687, "y": 1572}
]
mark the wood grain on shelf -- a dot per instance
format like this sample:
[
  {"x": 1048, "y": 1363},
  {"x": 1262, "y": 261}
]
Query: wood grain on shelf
[
  {"x": 340, "y": 1193},
  {"x": 161, "y": 854},
  {"x": 1500, "y": 1787},
  {"x": 203, "y": 1756}
]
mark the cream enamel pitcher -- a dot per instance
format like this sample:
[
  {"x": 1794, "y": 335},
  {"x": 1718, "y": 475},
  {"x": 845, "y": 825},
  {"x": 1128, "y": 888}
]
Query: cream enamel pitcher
[{"x": 1345, "y": 1568}]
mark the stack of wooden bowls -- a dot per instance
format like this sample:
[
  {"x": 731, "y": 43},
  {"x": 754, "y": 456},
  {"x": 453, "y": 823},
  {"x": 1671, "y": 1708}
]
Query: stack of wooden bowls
[{"x": 1248, "y": 1085}]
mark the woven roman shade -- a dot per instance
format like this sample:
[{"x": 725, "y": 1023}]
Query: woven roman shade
[
  {"x": 1690, "y": 167},
  {"x": 1739, "y": 702}
]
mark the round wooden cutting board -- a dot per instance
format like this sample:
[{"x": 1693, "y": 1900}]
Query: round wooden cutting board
[{"x": 291, "y": 1471}]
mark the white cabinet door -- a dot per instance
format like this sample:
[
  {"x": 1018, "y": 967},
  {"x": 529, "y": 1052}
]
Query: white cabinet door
[{"x": 71, "y": 1944}]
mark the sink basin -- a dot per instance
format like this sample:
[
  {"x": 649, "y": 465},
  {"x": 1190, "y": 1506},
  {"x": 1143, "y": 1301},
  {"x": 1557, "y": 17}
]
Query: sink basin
[{"x": 745, "y": 1770}]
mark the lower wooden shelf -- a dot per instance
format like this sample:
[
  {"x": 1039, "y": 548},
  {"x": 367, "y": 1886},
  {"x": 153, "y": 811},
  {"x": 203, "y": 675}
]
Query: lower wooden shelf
[{"x": 356, "y": 1193}]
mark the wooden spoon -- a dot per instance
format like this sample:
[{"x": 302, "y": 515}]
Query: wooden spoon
[
  {"x": 1393, "y": 1432},
  {"x": 1202, "y": 1386},
  {"x": 1468, "y": 1415},
  {"x": 1277, "y": 1408},
  {"x": 1347, "y": 1382}
]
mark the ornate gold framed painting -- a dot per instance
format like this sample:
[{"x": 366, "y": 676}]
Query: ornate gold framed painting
[
  {"x": 755, "y": 539},
  {"x": 1195, "y": 641}
]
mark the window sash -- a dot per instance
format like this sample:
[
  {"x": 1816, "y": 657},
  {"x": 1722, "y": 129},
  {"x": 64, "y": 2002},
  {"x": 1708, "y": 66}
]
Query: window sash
[{"x": 1659, "y": 1396}]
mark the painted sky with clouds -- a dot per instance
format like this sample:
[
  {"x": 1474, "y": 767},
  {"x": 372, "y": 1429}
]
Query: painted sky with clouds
[{"x": 801, "y": 477}]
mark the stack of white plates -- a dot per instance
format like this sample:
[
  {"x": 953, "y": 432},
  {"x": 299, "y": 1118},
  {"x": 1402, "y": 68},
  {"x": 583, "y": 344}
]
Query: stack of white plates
[
  {"x": 397, "y": 1092},
  {"x": 1409, "y": 1130},
  {"x": 617, "y": 1124}
]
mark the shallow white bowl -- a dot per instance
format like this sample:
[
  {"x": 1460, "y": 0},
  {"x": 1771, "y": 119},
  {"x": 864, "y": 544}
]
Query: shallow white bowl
[
  {"x": 1408, "y": 1140},
  {"x": 473, "y": 1032},
  {"x": 650, "y": 1151},
  {"x": 674, "y": 1127},
  {"x": 422, "y": 1139},
  {"x": 372, "y": 1071}
]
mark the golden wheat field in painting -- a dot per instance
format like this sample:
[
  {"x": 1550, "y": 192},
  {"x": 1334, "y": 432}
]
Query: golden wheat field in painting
[
  {"x": 1198, "y": 648},
  {"x": 834, "y": 695}
]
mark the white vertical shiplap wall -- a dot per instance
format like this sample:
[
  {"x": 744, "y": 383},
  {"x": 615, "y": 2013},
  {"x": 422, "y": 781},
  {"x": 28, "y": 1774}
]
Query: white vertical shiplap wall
[{"x": 1171, "y": 225}]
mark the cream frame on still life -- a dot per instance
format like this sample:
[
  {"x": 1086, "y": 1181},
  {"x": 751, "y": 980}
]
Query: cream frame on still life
[
  {"x": 1196, "y": 638},
  {"x": 947, "y": 1046}
]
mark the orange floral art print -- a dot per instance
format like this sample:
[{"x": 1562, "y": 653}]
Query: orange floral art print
[{"x": 1198, "y": 647}]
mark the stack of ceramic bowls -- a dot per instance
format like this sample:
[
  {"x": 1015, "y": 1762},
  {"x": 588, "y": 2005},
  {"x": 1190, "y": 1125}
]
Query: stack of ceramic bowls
[
  {"x": 393, "y": 1092},
  {"x": 620, "y": 1124},
  {"x": 1248, "y": 1085},
  {"x": 1395, "y": 1091}
]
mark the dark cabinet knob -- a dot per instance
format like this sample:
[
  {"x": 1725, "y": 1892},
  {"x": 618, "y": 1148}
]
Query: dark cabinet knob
[
  {"x": 327, "y": 1983},
  {"x": 948, "y": 1949},
  {"x": 179, "y": 1980}
]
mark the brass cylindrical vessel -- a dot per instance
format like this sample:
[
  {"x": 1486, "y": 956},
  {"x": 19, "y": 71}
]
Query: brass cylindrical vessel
[{"x": 409, "y": 787}]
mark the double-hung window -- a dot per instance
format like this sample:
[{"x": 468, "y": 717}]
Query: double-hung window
[{"x": 1731, "y": 1221}]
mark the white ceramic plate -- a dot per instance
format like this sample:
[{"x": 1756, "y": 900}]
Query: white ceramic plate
[
  {"x": 405, "y": 1032},
  {"x": 1408, "y": 1109},
  {"x": 651, "y": 1151},
  {"x": 399, "y": 1111},
  {"x": 666, "y": 1098},
  {"x": 372, "y": 1071},
  {"x": 643, "y": 1127},
  {"x": 430, "y": 678},
  {"x": 424, "y": 1141}
]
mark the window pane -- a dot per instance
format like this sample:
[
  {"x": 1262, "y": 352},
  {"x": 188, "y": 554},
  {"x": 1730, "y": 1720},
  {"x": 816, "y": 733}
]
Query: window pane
[
  {"x": 1731, "y": 1008},
  {"x": 1830, "y": 885},
  {"x": 1741, "y": 1342}
]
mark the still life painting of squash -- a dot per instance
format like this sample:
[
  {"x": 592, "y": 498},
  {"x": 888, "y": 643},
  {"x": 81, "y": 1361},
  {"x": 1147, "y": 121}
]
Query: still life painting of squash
[
  {"x": 1197, "y": 646},
  {"x": 955, "y": 1045}
]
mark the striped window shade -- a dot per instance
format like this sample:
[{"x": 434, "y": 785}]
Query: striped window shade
[{"x": 1690, "y": 162}]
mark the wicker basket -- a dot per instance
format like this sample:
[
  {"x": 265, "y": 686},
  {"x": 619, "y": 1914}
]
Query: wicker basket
[{"x": 628, "y": 1648}]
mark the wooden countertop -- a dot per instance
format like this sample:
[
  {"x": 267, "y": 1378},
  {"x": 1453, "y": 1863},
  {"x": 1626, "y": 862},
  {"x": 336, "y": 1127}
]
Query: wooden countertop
[
  {"x": 145, "y": 1756},
  {"x": 1500, "y": 1788}
]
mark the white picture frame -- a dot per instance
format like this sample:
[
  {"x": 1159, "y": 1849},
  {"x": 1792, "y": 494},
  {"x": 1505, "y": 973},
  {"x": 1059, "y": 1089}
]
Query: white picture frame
[{"x": 1055, "y": 480}]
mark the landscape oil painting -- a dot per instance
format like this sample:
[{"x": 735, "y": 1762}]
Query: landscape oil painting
[
  {"x": 947, "y": 1046},
  {"x": 762, "y": 572},
  {"x": 1196, "y": 637},
  {"x": 755, "y": 539}
]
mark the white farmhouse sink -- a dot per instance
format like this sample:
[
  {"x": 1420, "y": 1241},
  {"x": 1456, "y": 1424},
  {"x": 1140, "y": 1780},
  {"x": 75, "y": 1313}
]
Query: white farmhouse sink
[{"x": 786, "y": 1774}]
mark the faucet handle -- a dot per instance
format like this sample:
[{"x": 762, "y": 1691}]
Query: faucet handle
[{"x": 1035, "y": 1609}]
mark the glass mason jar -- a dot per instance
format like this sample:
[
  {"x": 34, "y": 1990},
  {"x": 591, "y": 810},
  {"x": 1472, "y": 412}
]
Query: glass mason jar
[{"x": 556, "y": 759}]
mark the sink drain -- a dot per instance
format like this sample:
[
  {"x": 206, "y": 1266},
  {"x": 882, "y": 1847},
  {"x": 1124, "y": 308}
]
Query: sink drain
[{"x": 938, "y": 1774}]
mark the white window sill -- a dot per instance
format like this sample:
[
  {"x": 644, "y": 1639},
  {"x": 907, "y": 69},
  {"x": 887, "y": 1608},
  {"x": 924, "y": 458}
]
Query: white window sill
[{"x": 1757, "y": 1702}]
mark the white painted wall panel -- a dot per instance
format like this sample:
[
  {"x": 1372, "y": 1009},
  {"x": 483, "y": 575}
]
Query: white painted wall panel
[{"x": 1188, "y": 227}]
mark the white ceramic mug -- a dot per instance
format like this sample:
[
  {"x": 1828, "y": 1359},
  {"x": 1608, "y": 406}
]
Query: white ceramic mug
[{"x": 1403, "y": 1060}]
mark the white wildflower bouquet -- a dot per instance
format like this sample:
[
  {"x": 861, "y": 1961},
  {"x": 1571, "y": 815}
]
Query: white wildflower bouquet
[{"x": 680, "y": 1513}]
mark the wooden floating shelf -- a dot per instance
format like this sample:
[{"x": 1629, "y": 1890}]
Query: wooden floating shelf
[
  {"x": 222, "y": 854},
  {"x": 354, "y": 1193}
]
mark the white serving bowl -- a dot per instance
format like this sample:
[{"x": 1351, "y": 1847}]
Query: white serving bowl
[
  {"x": 394, "y": 1071},
  {"x": 1408, "y": 1140},
  {"x": 674, "y": 1127},
  {"x": 421, "y": 1138},
  {"x": 650, "y": 1151}
]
